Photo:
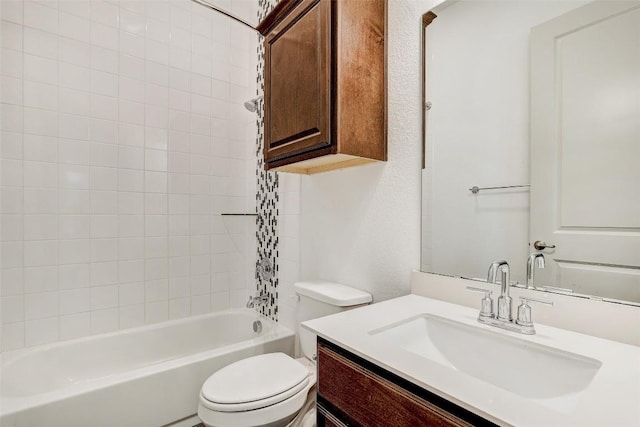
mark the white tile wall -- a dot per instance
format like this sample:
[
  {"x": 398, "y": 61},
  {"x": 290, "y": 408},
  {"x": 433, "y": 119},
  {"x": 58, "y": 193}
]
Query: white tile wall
[{"x": 123, "y": 139}]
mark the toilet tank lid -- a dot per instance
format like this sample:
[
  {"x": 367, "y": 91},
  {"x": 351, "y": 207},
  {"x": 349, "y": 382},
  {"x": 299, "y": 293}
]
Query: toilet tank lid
[{"x": 332, "y": 293}]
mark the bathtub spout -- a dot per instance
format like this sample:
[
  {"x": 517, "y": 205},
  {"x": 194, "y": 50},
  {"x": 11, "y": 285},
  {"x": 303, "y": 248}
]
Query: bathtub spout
[{"x": 257, "y": 300}]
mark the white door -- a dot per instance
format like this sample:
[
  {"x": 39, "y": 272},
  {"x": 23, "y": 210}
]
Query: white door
[{"x": 585, "y": 136}]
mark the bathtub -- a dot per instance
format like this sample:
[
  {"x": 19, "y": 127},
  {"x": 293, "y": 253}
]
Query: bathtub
[{"x": 147, "y": 376}]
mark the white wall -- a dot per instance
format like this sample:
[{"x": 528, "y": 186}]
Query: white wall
[
  {"x": 123, "y": 139},
  {"x": 478, "y": 134},
  {"x": 361, "y": 226}
]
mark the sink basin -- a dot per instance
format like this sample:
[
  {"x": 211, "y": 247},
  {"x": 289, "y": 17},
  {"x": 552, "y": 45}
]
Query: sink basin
[{"x": 551, "y": 377}]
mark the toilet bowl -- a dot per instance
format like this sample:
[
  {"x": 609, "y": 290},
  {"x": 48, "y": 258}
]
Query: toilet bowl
[
  {"x": 269, "y": 390},
  {"x": 265, "y": 390}
]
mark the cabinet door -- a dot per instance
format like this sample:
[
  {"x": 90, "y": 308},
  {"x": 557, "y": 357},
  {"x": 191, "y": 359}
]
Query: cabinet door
[{"x": 298, "y": 84}]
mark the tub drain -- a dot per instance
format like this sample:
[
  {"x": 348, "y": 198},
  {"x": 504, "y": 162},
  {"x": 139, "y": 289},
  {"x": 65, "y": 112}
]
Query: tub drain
[{"x": 257, "y": 326}]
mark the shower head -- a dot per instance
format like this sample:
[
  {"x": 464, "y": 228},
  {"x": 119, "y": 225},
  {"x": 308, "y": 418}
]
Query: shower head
[{"x": 252, "y": 104}]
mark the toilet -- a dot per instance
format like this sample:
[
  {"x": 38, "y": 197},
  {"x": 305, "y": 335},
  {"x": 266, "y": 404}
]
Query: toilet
[{"x": 270, "y": 390}]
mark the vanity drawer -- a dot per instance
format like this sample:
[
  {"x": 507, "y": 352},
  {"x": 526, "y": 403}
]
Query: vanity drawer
[{"x": 355, "y": 395}]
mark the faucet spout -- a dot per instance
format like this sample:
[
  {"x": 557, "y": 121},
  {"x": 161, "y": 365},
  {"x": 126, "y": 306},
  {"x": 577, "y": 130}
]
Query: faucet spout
[
  {"x": 504, "y": 301},
  {"x": 492, "y": 274},
  {"x": 257, "y": 300}
]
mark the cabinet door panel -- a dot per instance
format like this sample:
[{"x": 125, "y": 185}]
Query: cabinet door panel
[{"x": 297, "y": 79}]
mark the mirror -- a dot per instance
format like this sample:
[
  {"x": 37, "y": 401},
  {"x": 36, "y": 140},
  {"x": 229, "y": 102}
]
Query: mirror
[{"x": 536, "y": 103}]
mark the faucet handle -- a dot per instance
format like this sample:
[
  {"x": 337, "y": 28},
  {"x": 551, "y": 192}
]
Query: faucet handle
[
  {"x": 524, "y": 310},
  {"x": 486, "y": 305}
]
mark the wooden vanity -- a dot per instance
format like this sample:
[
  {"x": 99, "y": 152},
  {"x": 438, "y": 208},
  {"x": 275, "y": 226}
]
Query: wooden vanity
[{"x": 353, "y": 391}]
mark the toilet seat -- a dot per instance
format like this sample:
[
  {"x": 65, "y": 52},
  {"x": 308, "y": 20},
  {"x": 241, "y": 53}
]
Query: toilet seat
[
  {"x": 254, "y": 382},
  {"x": 255, "y": 404},
  {"x": 255, "y": 391}
]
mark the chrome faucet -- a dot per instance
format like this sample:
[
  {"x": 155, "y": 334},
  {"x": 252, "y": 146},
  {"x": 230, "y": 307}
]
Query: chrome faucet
[
  {"x": 503, "y": 318},
  {"x": 504, "y": 300},
  {"x": 257, "y": 300},
  {"x": 535, "y": 258}
]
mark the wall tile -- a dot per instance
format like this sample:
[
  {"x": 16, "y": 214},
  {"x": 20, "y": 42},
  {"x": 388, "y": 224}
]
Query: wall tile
[
  {"x": 77, "y": 8},
  {"x": 40, "y": 17},
  {"x": 40, "y": 69},
  {"x": 131, "y": 248},
  {"x": 12, "y": 92},
  {"x": 156, "y": 312},
  {"x": 74, "y": 27},
  {"x": 104, "y": 250},
  {"x": 104, "y": 36},
  {"x": 76, "y": 52},
  {"x": 12, "y": 63},
  {"x": 41, "y": 331},
  {"x": 40, "y": 122},
  {"x": 12, "y": 333},
  {"x": 75, "y": 326},
  {"x": 74, "y": 251},
  {"x": 131, "y": 294},
  {"x": 40, "y": 305},
  {"x": 74, "y": 276},
  {"x": 74, "y": 226},
  {"x": 156, "y": 52},
  {"x": 108, "y": 155},
  {"x": 12, "y": 11},
  {"x": 131, "y": 316},
  {"x": 74, "y": 76},
  {"x": 11, "y": 227},
  {"x": 103, "y": 321},
  {"x": 73, "y": 101},
  {"x": 72, "y": 201},
  {"x": 105, "y": 13},
  {"x": 12, "y": 309}
]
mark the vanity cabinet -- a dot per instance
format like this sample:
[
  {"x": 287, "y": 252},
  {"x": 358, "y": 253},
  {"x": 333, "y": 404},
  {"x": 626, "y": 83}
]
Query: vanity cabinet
[
  {"x": 325, "y": 84},
  {"x": 354, "y": 392}
]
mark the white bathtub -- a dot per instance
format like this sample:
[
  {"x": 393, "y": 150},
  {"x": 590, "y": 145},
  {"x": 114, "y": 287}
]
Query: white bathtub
[{"x": 148, "y": 376}]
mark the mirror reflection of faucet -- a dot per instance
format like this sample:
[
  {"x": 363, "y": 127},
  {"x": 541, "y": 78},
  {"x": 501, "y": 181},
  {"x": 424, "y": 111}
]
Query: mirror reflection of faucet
[{"x": 536, "y": 259}]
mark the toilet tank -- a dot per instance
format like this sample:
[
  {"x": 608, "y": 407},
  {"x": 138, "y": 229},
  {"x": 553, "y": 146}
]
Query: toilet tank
[{"x": 318, "y": 299}]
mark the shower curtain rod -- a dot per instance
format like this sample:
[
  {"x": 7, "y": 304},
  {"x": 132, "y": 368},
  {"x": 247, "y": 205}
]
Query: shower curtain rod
[{"x": 224, "y": 12}]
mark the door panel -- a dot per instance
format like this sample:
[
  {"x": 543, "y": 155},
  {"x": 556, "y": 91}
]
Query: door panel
[
  {"x": 585, "y": 135},
  {"x": 297, "y": 76}
]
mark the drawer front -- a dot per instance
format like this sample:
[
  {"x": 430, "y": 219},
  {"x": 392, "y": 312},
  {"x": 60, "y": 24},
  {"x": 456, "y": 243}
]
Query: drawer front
[{"x": 367, "y": 399}]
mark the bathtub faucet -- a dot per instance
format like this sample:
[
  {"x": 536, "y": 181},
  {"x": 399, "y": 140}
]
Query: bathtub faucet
[{"x": 257, "y": 300}]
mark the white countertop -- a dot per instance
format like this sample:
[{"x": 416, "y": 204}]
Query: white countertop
[{"x": 611, "y": 399}]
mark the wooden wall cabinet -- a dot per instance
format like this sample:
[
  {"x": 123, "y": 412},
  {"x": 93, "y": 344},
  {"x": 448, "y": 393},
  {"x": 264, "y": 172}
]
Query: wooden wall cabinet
[
  {"x": 325, "y": 84},
  {"x": 354, "y": 392}
]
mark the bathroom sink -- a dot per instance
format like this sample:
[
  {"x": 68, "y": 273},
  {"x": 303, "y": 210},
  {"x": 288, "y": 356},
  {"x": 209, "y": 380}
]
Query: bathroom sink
[{"x": 551, "y": 377}]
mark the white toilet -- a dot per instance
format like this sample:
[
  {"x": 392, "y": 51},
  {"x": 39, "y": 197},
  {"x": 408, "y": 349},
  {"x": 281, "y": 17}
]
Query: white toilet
[{"x": 269, "y": 390}]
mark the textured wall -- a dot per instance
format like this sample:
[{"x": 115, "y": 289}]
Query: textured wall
[{"x": 361, "y": 226}]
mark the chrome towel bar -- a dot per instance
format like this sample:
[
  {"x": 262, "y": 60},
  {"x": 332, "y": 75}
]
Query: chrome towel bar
[{"x": 476, "y": 189}]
